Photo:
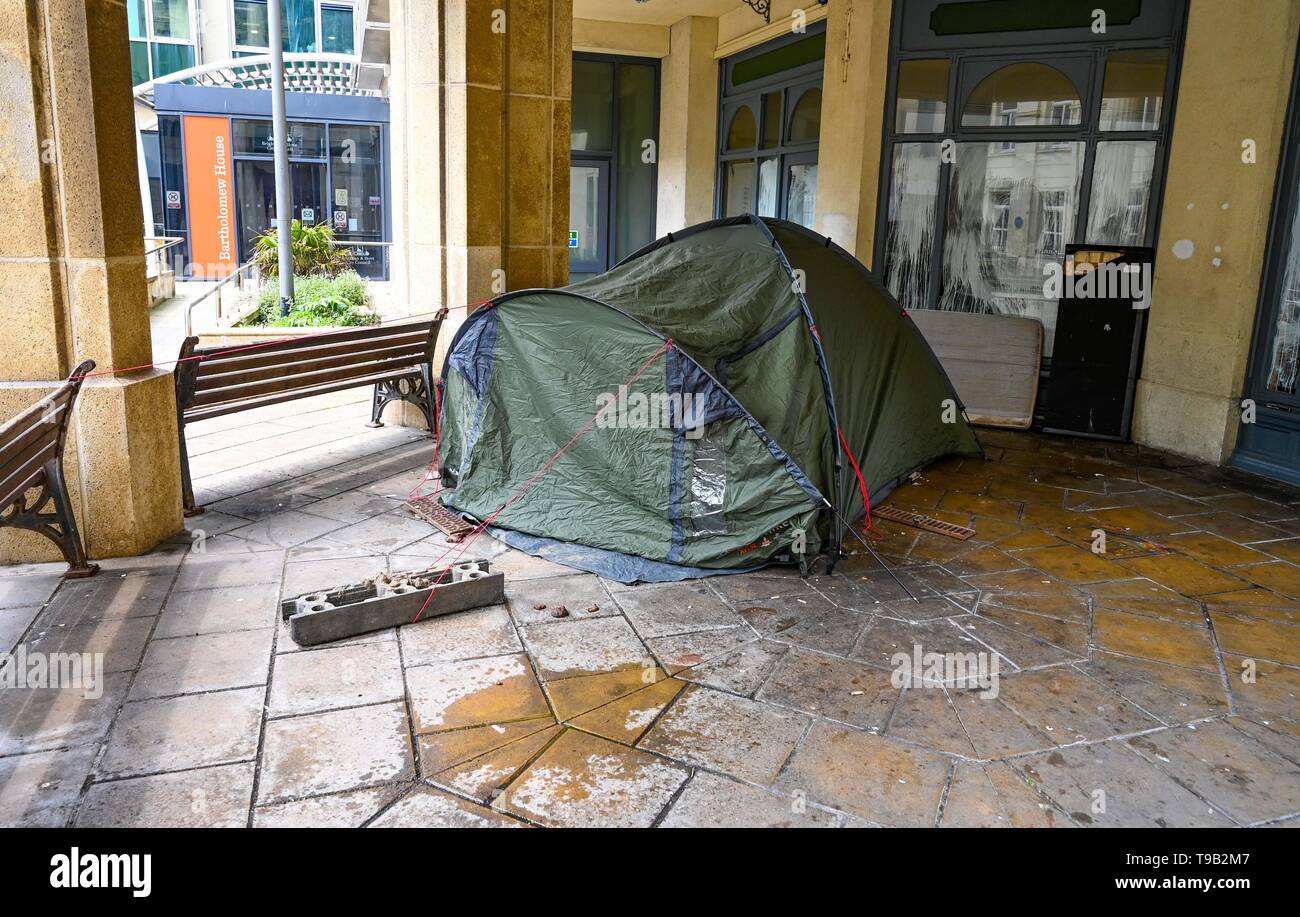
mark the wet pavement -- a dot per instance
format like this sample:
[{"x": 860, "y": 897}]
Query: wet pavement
[{"x": 1037, "y": 681}]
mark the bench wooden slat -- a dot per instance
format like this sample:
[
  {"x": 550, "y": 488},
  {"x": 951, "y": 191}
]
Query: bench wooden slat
[
  {"x": 254, "y": 355},
  {"x": 242, "y": 390},
  {"x": 415, "y": 353},
  {"x": 31, "y": 455},
  {"x": 221, "y": 409},
  {"x": 20, "y": 473}
]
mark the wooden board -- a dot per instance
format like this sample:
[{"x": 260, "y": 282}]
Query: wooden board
[{"x": 992, "y": 360}]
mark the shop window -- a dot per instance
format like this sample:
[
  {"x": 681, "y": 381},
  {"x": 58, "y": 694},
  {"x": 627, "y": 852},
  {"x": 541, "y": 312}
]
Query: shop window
[
  {"x": 1037, "y": 162},
  {"x": 1039, "y": 95},
  {"x": 302, "y": 29},
  {"x": 1134, "y": 90},
  {"x": 593, "y": 105}
]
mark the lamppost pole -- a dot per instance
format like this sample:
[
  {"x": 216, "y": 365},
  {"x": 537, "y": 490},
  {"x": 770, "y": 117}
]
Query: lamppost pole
[{"x": 280, "y": 135}]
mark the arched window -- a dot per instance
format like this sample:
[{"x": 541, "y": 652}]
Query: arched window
[
  {"x": 1023, "y": 95},
  {"x": 806, "y": 119},
  {"x": 743, "y": 132}
]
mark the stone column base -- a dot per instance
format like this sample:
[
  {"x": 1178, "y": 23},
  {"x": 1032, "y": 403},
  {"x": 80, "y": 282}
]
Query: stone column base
[
  {"x": 120, "y": 462},
  {"x": 1188, "y": 423}
]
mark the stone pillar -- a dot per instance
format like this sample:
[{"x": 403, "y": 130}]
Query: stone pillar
[
  {"x": 1235, "y": 81},
  {"x": 688, "y": 125},
  {"x": 72, "y": 272},
  {"x": 853, "y": 109}
]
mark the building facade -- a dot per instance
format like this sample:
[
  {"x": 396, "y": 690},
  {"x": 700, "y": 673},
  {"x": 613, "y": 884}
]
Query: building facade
[{"x": 958, "y": 147}]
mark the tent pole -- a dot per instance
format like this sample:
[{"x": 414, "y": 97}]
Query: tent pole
[{"x": 873, "y": 553}]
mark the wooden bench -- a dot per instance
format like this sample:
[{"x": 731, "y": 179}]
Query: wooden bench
[
  {"x": 212, "y": 381},
  {"x": 31, "y": 456}
]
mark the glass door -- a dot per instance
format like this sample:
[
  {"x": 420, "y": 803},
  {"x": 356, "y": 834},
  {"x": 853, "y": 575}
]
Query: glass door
[
  {"x": 588, "y": 217},
  {"x": 255, "y": 192}
]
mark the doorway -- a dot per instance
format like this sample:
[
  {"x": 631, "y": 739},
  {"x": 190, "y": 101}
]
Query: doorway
[{"x": 255, "y": 190}]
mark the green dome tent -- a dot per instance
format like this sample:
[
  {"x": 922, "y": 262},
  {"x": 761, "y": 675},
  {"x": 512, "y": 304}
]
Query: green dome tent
[{"x": 766, "y": 367}]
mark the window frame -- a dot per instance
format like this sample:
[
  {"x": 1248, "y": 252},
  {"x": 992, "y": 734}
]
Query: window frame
[
  {"x": 792, "y": 84},
  {"x": 1083, "y": 62},
  {"x": 237, "y": 50},
  {"x": 151, "y": 38}
]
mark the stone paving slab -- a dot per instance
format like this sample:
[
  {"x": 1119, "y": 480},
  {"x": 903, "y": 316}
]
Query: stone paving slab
[
  {"x": 425, "y": 807},
  {"x": 329, "y": 678},
  {"x": 576, "y": 592},
  {"x": 41, "y": 790},
  {"x": 995, "y": 796},
  {"x": 179, "y": 733},
  {"x": 35, "y": 719},
  {"x": 874, "y": 778},
  {"x": 350, "y": 809},
  {"x": 211, "y": 662},
  {"x": 1110, "y": 785},
  {"x": 676, "y": 608},
  {"x": 476, "y": 692},
  {"x": 584, "y": 780},
  {"x": 331, "y": 752},
  {"x": 470, "y": 634},
  {"x": 827, "y": 686},
  {"x": 584, "y": 647},
  {"x": 210, "y": 797},
  {"x": 217, "y": 611},
  {"x": 711, "y": 801},
  {"x": 121, "y": 641},
  {"x": 1243, "y": 778},
  {"x": 734, "y": 735}
]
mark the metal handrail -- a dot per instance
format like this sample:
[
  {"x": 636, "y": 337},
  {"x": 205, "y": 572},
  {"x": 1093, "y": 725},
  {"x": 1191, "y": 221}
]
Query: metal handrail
[
  {"x": 162, "y": 244},
  {"x": 234, "y": 275}
]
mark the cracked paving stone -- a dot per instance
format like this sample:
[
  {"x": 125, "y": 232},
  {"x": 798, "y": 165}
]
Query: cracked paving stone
[
  {"x": 740, "y": 737},
  {"x": 1109, "y": 785},
  {"x": 1069, "y": 636},
  {"x": 995, "y": 729},
  {"x": 196, "y": 730},
  {"x": 1073, "y": 565},
  {"x": 676, "y": 608},
  {"x": 884, "y": 638},
  {"x": 350, "y": 809},
  {"x": 425, "y": 807},
  {"x": 571, "y": 697},
  {"x": 1064, "y": 607},
  {"x": 838, "y": 689},
  {"x": 1281, "y": 577},
  {"x": 868, "y": 776},
  {"x": 584, "y": 780},
  {"x": 41, "y": 790},
  {"x": 1242, "y": 776},
  {"x": 330, "y": 752},
  {"x": 755, "y": 588},
  {"x": 453, "y": 695},
  {"x": 625, "y": 720},
  {"x": 710, "y": 801},
  {"x": 211, "y": 797},
  {"x": 584, "y": 647},
  {"x": 466, "y": 635},
  {"x": 925, "y": 716},
  {"x": 994, "y": 796},
  {"x": 1016, "y": 647},
  {"x": 1071, "y": 707},
  {"x": 441, "y": 751},
  {"x": 484, "y": 777},
  {"x": 333, "y": 677}
]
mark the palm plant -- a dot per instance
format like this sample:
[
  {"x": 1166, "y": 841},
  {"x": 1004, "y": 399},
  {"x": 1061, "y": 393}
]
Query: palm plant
[{"x": 313, "y": 248}]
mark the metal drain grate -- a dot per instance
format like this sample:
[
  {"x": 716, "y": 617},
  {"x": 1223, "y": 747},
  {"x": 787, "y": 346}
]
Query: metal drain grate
[
  {"x": 441, "y": 518},
  {"x": 923, "y": 522}
]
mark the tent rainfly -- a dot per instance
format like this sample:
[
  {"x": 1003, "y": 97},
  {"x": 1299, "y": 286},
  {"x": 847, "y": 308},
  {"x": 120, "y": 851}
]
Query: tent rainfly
[{"x": 771, "y": 368}]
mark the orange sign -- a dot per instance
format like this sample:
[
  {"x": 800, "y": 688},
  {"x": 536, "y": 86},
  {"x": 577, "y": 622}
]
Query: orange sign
[{"x": 209, "y": 173}]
